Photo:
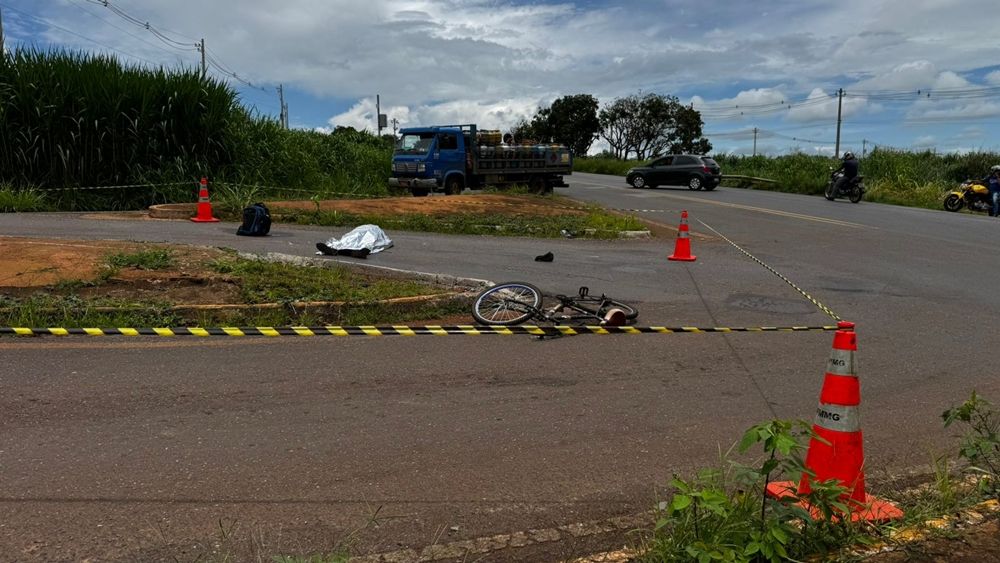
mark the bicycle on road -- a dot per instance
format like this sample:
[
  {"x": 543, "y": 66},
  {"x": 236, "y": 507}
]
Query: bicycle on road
[{"x": 513, "y": 303}]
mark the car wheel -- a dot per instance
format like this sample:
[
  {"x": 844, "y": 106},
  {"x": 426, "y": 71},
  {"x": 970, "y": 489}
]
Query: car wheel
[
  {"x": 638, "y": 181},
  {"x": 694, "y": 183}
]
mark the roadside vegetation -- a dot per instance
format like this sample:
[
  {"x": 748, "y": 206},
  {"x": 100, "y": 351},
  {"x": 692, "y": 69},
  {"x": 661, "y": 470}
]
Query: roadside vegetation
[
  {"x": 148, "y": 288},
  {"x": 891, "y": 176},
  {"x": 722, "y": 513},
  {"x": 595, "y": 223},
  {"x": 74, "y": 120}
]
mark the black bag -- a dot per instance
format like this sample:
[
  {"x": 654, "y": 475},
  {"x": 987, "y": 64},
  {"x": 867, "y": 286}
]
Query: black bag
[{"x": 256, "y": 221}]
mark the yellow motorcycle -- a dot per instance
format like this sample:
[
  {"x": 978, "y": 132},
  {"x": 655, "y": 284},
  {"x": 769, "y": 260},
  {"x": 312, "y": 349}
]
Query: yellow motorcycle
[{"x": 970, "y": 194}]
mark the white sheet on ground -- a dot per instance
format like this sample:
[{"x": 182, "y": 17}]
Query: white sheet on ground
[{"x": 366, "y": 236}]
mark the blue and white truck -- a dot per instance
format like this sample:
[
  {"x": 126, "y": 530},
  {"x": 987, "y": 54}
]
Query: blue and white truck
[{"x": 450, "y": 158}]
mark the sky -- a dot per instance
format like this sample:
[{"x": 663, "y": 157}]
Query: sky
[{"x": 915, "y": 74}]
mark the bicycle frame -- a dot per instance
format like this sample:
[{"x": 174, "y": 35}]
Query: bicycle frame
[{"x": 555, "y": 313}]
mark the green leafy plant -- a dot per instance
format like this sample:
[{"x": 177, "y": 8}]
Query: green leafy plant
[
  {"x": 726, "y": 515},
  {"x": 980, "y": 443}
]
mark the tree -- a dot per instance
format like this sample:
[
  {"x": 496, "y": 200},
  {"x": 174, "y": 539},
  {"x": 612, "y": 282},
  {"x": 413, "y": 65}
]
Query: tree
[
  {"x": 652, "y": 131},
  {"x": 615, "y": 120},
  {"x": 650, "y": 124},
  {"x": 570, "y": 120},
  {"x": 688, "y": 135},
  {"x": 523, "y": 131}
]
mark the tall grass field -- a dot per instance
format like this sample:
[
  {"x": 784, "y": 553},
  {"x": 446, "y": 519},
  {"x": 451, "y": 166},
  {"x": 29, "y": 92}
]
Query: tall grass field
[
  {"x": 891, "y": 176},
  {"x": 70, "y": 120}
]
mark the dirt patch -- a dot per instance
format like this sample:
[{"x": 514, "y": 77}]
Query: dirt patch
[
  {"x": 973, "y": 545},
  {"x": 28, "y": 265},
  {"x": 434, "y": 205}
]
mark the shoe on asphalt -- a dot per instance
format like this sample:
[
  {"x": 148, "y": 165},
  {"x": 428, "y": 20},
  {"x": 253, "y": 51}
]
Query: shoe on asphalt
[{"x": 547, "y": 257}]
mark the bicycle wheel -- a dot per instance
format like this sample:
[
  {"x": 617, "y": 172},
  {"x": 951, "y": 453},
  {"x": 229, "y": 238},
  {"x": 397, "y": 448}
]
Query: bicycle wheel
[
  {"x": 507, "y": 303},
  {"x": 630, "y": 311}
]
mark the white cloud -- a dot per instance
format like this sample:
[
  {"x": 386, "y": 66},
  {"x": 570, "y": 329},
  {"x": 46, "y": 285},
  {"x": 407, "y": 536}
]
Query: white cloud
[
  {"x": 492, "y": 62},
  {"x": 496, "y": 115},
  {"x": 819, "y": 105},
  {"x": 912, "y": 75},
  {"x": 925, "y": 142}
]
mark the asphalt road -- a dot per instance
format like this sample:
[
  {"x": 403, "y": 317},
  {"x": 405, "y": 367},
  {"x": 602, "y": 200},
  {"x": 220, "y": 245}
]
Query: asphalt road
[{"x": 135, "y": 450}]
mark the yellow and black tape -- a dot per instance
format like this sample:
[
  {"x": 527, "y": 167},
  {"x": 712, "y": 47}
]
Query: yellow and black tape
[
  {"x": 396, "y": 330},
  {"x": 801, "y": 291}
]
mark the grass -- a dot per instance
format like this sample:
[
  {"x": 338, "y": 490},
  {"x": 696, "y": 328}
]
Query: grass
[
  {"x": 270, "y": 282},
  {"x": 73, "y": 119},
  {"x": 21, "y": 199},
  {"x": 596, "y": 223},
  {"x": 365, "y": 299},
  {"x": 155, "y": 259}
]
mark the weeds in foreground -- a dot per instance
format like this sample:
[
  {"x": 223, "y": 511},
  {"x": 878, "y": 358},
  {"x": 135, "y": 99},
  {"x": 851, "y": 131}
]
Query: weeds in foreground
[
  {"x": 724, "y": 514},
  {"x": 980, "y": 441}
]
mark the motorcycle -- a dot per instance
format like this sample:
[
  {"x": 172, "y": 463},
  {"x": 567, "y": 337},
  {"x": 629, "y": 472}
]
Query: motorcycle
[
  {"x": 853, "y": 189},
  {"x": 970, "y": 194}
]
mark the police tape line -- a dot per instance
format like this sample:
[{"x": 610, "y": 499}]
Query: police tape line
[
  {"x": 397, "y": 330},
  {"x": 123, "y": 186},
  {"x": 801, "y": 291}
]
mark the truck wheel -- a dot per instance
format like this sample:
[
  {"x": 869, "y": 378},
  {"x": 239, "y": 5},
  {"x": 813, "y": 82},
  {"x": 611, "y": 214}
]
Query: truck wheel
[
  {"x": 419, "y": 192},
  {"x": 453, "y": 186},
  {"x": 539, "y": 185}
]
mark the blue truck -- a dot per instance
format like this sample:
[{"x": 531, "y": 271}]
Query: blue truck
[{"x": 450, "y": 158}]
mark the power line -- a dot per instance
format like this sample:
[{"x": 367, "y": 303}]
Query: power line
[
  {"x": 207, "y": 60},
  {"x": 125, "y": 31},
  {"x": 84, "y": 37}
]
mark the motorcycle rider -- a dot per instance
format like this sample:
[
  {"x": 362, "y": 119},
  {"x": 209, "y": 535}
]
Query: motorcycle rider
[
  {"x": 993, "y": 182},
  {"x": 850, "y": 169}
]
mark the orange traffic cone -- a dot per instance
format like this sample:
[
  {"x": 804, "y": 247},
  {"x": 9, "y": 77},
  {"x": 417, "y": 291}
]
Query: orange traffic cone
[
  {"x": 836, "y": 450},
  {"x": 204, "y": 205},
  {"x": 682, "y": 249}
]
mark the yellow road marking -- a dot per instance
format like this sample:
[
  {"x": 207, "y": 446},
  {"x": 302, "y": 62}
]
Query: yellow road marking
[{"x": 773, "y": 212}]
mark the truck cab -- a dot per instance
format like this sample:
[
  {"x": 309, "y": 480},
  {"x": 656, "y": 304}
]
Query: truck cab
[{"x": 430, "y": 159}]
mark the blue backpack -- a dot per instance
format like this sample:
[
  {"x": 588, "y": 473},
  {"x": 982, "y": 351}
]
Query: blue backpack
[{"x": 256, "y": 221}]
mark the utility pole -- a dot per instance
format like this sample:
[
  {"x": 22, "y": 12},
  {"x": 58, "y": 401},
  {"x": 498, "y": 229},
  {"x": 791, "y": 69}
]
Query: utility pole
[
  {"x": 2, "y": 51},
  {"x": 754, "y": 141},
  {"x": 395, "y": 127},
  {"x": 204, "y": 69},
  {"x": 284, "y": 108},
  {"x": 840, "y": 105},
  {"x": 378, "y": 115},
  {"x": 864, "y": 147}
]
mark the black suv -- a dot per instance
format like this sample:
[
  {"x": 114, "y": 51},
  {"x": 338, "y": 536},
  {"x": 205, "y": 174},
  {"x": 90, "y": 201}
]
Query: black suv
[{"x": 691, "y": 170}]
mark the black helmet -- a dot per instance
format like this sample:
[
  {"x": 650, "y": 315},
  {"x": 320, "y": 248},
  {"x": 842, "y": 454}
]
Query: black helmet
[{"x": 848, "y": 155}]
